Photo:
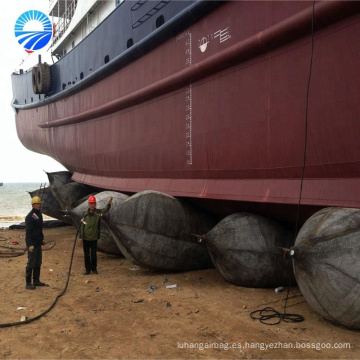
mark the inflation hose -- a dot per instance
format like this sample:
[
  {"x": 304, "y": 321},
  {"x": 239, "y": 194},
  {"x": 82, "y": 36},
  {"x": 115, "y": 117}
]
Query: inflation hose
[
  {"x": 306, "y": 118},
  {"x": 19, "y": 252},
  {"x": 29, "y": 320},
  {"x": 269, "y": 314}
]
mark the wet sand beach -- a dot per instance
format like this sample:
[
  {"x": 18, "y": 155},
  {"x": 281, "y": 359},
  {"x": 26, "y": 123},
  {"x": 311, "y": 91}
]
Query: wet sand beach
[{"x": 113, "y": 315}]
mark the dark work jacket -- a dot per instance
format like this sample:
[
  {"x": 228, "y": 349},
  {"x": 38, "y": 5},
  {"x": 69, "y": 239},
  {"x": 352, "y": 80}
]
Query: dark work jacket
[{"x": 34, "y": 224}]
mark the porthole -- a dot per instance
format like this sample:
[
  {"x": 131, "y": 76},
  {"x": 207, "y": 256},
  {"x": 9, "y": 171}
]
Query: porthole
[
  {"x": 160, "y": 21},
  {"x": 130, "y": 43}
]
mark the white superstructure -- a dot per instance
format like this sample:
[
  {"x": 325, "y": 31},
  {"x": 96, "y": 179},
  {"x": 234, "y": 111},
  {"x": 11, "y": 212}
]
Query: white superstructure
[{"x": 73, "y": 20}]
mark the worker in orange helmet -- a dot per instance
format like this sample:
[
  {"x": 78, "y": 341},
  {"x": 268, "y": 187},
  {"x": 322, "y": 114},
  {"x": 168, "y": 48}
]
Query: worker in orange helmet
[{"x": 90, "y": 233}]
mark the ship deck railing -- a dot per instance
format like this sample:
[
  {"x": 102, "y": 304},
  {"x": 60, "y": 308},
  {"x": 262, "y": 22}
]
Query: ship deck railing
[{"x": 64, "y": 22}]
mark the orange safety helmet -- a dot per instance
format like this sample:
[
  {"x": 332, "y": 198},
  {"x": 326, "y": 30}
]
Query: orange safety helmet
[{"x": 92, "y": 199}]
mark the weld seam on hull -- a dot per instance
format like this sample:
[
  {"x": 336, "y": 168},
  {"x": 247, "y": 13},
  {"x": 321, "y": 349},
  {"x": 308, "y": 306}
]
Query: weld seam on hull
[{"x": 255, "y": 190}]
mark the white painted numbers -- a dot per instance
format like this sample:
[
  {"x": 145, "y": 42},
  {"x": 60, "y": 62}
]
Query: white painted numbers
[
  {"x": 186, "y": 38},
  {"x": 188, "y": 124}
]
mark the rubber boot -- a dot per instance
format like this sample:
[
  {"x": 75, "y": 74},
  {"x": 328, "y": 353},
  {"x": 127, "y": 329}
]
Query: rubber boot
[
  {"x": 36, "y": 276},
  {"x": 29, "y": 286}
]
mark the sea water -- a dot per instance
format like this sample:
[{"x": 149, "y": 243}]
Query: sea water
[{"x": 15, "y": 202}]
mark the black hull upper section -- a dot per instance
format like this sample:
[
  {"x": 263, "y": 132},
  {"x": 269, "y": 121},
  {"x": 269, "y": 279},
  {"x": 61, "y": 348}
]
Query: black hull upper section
[{"x": 127, "y": 34}]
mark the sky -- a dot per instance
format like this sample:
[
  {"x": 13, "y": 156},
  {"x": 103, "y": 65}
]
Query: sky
[{"x": 18, "y": 164}]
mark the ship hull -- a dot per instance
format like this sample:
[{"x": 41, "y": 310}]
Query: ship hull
[{"x": 245, "y": 109}]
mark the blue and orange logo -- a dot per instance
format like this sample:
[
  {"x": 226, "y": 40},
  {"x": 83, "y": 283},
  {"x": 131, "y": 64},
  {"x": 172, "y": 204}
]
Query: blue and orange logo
[{"x": 33, "y": 30}]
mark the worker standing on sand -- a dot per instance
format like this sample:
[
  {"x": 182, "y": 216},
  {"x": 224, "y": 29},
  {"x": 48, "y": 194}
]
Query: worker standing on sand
[
  {"x": 34, "y": 240},
  {"x": 90, "y": 233}
]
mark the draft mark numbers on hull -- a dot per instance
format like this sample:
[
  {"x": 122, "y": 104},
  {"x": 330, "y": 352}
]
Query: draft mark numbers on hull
[{"x": 186, "y": 38}]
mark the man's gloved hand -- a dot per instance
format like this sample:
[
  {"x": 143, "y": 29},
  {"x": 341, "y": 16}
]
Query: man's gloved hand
[{"x": 31, "y": 248}]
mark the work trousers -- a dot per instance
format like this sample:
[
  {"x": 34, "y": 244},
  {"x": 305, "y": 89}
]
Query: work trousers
[
  {"x": 34, "y": 258},
  {"x": 90, "y": 256}
]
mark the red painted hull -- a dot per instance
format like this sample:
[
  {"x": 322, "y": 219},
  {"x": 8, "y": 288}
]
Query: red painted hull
[{"x": 224, "y": 111}]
